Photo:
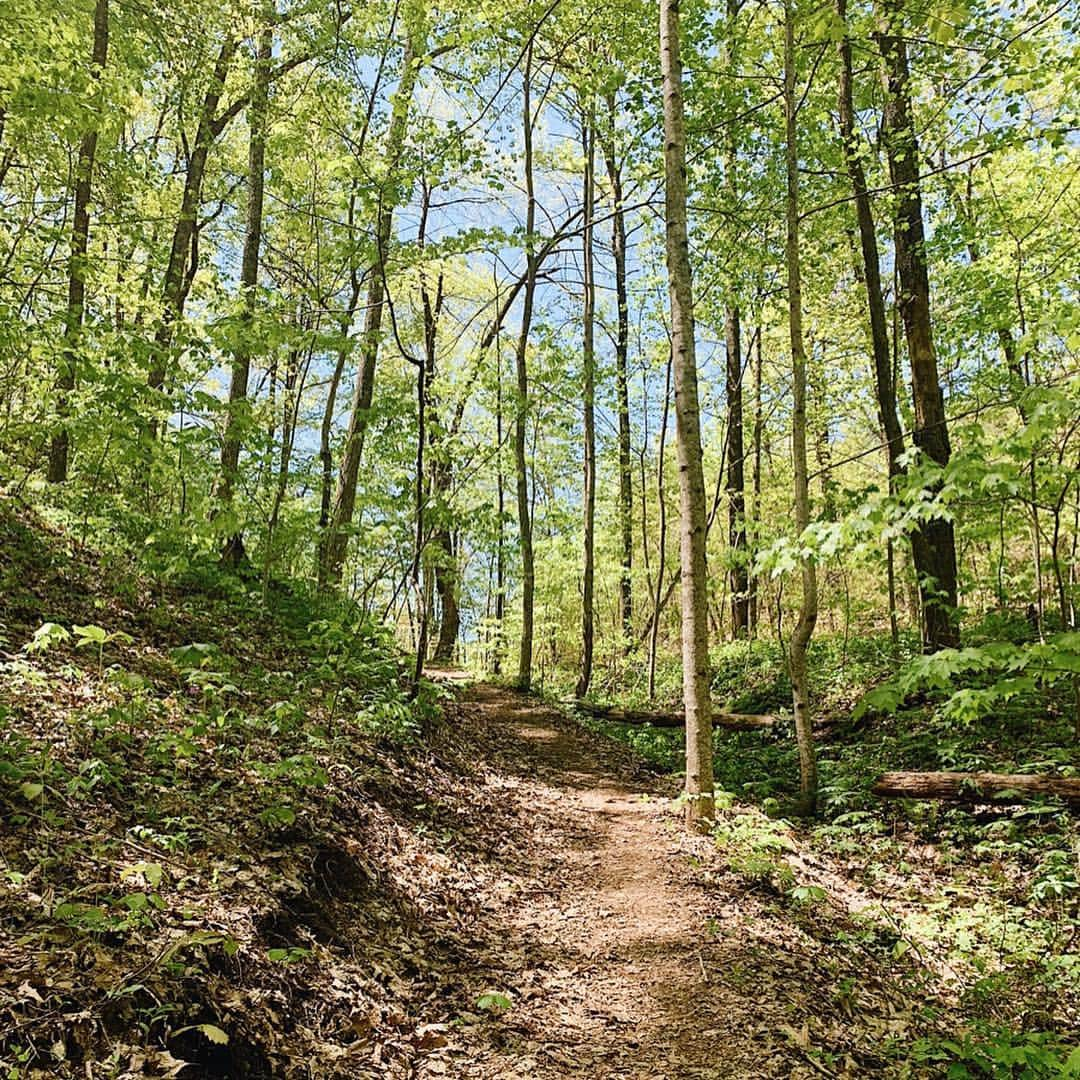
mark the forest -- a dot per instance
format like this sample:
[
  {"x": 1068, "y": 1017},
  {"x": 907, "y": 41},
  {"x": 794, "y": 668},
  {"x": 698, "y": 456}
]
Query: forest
[{"x": 540, "y": 539}]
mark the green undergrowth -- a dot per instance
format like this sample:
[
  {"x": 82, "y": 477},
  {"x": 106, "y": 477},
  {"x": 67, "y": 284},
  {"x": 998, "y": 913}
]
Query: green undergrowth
[
  {"x": 221, "y": 815},
  {"x": 984, "y": 902}
]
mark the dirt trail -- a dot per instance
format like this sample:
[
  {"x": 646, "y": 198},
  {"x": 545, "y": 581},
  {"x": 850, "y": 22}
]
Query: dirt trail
[{"x": 606, "y": 946}]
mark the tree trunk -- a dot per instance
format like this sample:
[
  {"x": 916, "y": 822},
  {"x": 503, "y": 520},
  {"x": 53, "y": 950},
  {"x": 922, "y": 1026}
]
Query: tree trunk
[
  {"x": 233, "y": 551},
  {"x": 976, "y": 787},
  {"x": 759, "y": 429},
  {"x": 884, "y": 384},
  {"x": 335, "y": 540},
  {"x": 528, "y": 568},
  {"x": 695, "y": 630},
  {"x": 736, "y": 481},
  {"x": 808, "y": 612},
  {"x": 177, "y": 281},
  {"x": 500, "y": 511},
  {"x": 60, "y": 448},
  {"x": 446, "y": 585},
  {"x": 589, "y": 390},
  {"x": 934, "y": 545},
  {"x": 622, "y": 394},
  {"x": 661, "y": 554}
]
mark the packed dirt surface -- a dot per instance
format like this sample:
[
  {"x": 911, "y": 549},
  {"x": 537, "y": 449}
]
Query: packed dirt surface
[{"x": 612, "y": 954}]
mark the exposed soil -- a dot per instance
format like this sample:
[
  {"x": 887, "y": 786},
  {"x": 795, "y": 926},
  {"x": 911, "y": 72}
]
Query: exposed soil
[{"x": 607, "y": 951}]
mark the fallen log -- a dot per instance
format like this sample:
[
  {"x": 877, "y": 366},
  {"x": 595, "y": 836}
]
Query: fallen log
[
  {"x": 616, "y": 715},
  {"x": 976, "y": 787}
]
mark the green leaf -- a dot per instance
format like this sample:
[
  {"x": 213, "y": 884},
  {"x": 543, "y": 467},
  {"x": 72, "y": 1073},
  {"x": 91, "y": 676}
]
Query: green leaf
[
  {"x": 90, "y": 635},
  {"x": 30, "y": 791},
  {"x": 47, "y": 635},
  {"x": 494, "y": 1003}
]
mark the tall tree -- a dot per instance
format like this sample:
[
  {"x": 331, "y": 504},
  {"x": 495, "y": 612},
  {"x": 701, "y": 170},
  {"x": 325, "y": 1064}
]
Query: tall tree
[
  {"x": 335, "y": 540},
  {"x": 588, "y": 361},
  {"x": 233, "y": 551},
  {"x": 695, "y": 627},
  {"x": 936, "y": 561},
  {"x": 808, "y": 612},
  {"x": 183, "y": 251},
  {"x": 622, "y": 383},
  {"x": 521, "y": 405},
  {"x": 59, "y": 450},
  {"x": 735, "y": 481}
]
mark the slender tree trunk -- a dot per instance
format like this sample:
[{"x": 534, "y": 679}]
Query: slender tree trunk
[
  {"x": 60, "y": 448},
  {"x": 233, "y": 551},
  {"x": 661, "y": 554},
  {"x": 521, "y": 406},
  {"x": 500, "y": 509},
  {"x": 622, "y": 383},
  {"x": 695, "y": 630},
  {"x": 177, "y": 281},
  {"x": 421, "y": 591},
  {"x": 589, "y": 390},
  {"x": 446, "y": 585},
  {"x": 935, "y": 544},
  {"x": 759, "y": 428},
  {"x": 335, "y": 541},
  {"x": 294, "y": 389},
  {"x": 736, "y": 479},
  {"x": 808, "y": 612},
  {"x": 884, "y": 384}
]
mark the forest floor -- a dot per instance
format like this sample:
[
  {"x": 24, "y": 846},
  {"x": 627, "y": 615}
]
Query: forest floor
[
  {"x": 230, "y": 847},
  {"x": 606, "y": 941},
  {"x": 624, "y": 950}
]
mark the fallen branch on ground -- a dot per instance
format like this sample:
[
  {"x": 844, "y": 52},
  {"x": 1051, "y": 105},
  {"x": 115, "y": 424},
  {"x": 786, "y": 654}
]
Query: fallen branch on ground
[
  {"x": 616, "y": 715},
  {"x": 976, "y": 787}
]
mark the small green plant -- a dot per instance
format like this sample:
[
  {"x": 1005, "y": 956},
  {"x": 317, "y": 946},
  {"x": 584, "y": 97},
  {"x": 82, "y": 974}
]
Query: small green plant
[
  {"x": 1000, "y": 1054},
  {"x": 493, "y": 1003},
  {"x": 292, "y": 955},
  {"x": 98, "y": 637},
  {"x": 46, "y": 636}
]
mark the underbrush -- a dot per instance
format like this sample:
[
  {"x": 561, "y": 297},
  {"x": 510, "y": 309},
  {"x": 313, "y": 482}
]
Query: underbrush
[
  {"x": 227, "y": 844},
  {"x": 983, "y": 902}
]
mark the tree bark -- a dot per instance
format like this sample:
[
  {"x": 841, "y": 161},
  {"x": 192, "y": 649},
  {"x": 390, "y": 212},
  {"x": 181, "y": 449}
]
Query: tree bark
[
  {"x": 622, "y": 383},
  {"x": 735, "y": 482},
  {"x": 676, "y": 718},
  {"x": 735, "y": 479},
  {"x": 335, "y": 540},
  {"x": 177, "y": 281},
  {"x": 60, "y": 447},
  {"x": 808, "y": 612},
  {"x": 233, "y": 551},
  {"x": 661, "y": 554},
  {"x": 976, "y": 787},
  {"x": 934, "y": 544},
  {"x": 759, "y": 430},
  {"x": 589, "y": 425},
  {"x": 500, "y": 512},
  {"x": 528, "y": 568},
  {"x": 695, "y": 630}
]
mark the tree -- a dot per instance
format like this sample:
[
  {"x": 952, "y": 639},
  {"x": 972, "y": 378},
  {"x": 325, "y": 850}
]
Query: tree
[
  {"x": 588, "y": 363},
  {"x": 934, "y": 542},
  {"x": 695, "y": 628},
  {"x": 808, "y": 612},
  {"x": 335, "y": 540},
  {"x": 60, "y": 448},
  {"x": 233, "y": 551},
  {"x": 735, "y": 482},
  {"x": 521, "y": 405},
  {"x": 622, "y": 383}
]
